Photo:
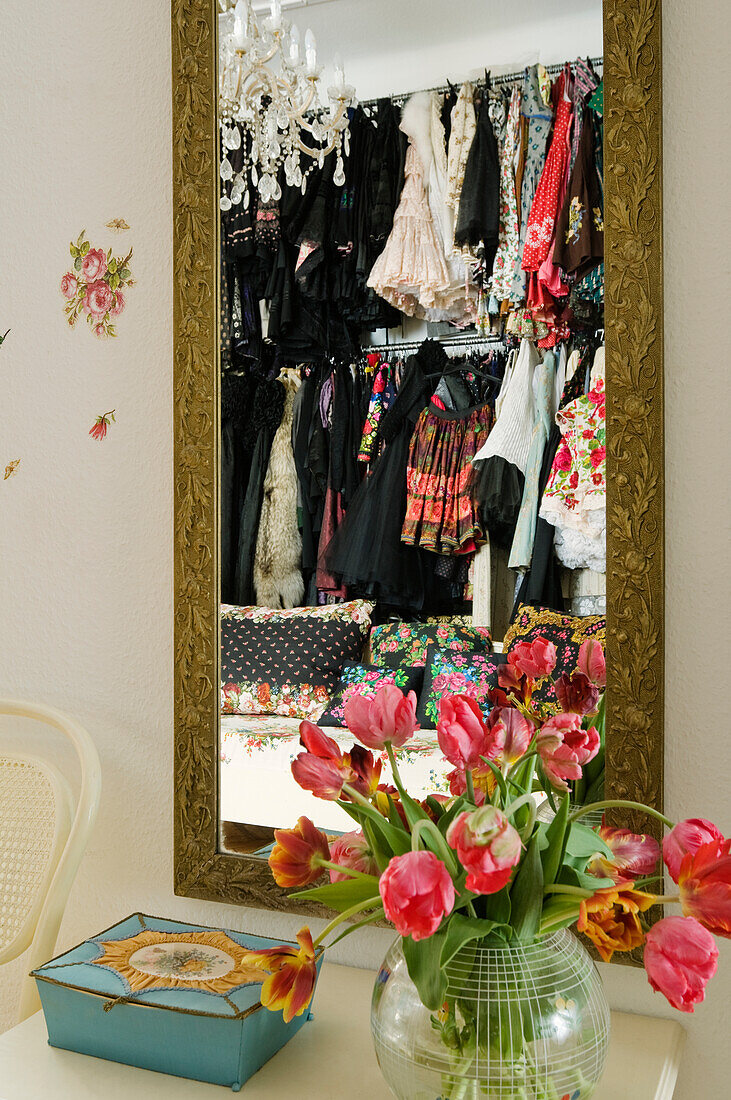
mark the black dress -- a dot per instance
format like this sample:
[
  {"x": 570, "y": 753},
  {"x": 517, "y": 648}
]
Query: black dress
[
  {"x": 366, "y": 552},
  {"x": 478, "y": 219}
]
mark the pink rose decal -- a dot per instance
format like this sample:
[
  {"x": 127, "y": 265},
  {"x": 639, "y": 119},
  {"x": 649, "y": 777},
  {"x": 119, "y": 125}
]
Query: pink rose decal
[
  {"x": 94, "y": 287},
  {"x": 69, "y": 284},
  {"x": 94, "y": 265}
]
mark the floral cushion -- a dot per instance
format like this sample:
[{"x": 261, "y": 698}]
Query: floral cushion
[
  {"x": 287, "y": 662},
  {"x": 407, "y": 643},
  {"x": 366, "y": 680},
  {"x": 473, "y": 674},
  {"x": 567, "y": 632}
]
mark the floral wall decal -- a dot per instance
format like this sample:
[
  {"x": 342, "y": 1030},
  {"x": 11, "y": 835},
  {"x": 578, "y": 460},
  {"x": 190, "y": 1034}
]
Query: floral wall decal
[
  {"x": 93, "y": 288},
  {"x": 100, "y": 427},
  {"x": 117, "y": 225},
  {"x": 11, "y": 468}
]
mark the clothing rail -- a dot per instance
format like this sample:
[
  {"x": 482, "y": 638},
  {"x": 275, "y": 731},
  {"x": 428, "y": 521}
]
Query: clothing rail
[
  {"x": 470, "y": 341},
  {"x": 505, "y": 78}
]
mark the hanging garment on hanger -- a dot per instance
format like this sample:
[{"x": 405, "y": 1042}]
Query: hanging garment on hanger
[
  {"x": 411, "y": 272},
  {"x": 277, "y": 563},
  {"x": 478, "y": 217},
  {"x": 507, "y": 251},
  {"x": 464, "y": 294},
  {"x": 575, "y": 497},
  {"x": 538, "y": 116},
  {"x": 585, "y": 83},
  {"x": 500, "y": 465},
  {"x": 525, "y": 529},
  {"x": 464, "y": 124},
  {"x": 440, "y": 513}
]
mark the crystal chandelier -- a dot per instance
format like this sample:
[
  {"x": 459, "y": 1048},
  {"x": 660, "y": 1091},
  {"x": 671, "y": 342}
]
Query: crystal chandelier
[{"x": 270, "y": 107}]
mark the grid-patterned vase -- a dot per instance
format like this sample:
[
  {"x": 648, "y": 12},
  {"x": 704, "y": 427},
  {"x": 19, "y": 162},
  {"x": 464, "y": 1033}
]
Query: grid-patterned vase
[{"x": 521, "y": 1022}]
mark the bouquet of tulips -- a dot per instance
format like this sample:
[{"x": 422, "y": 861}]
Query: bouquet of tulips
[{"x": 478, "y": 865}]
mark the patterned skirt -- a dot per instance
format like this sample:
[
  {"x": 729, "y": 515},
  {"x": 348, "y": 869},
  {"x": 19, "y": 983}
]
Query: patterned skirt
[{"x": 440, "y": 512}]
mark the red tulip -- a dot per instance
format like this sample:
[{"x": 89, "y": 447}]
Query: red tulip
[
  {"x": 564, "y": 747},
  {"x": 367, "y": 770},
  {"x": 389, "y": 716},
  {"x": 536, "y": 659},
  {"x": 705, "y": 886},
  {"x": 295, "y": 857},
  {"x": 461, "y": 731},
  {"x": 513, "y": 687},
  {"x": 633, "y": 854},
  {"x": 488, "y": 847},
  {"x": 325, "y": 778},
  {"x": 592, "y": 662},
  {"x": 680, "y": 959},
  {"x": 351, "y": 850},
  {"x": 576, "y": 694},
  {"x": 417, "y": 892},
  {"x": 687, "y": 836},
  {"x": 509, "y": 734},
  {"x": 318, "y": 743}
]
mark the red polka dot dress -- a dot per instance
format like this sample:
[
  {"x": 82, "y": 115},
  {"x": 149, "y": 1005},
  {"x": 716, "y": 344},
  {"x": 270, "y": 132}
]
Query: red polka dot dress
[{"x": 544, "y": 211}]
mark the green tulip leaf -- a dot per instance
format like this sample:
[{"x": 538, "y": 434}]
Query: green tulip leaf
[
  {"x": 582, "y": 841},
  {"x": 526, "y": 894},
  {"x": 555, "y": 836},
  {"x": 397, "y": 840},
  {"x": 343, "y": 895},
  {"x": 462, "y": 929},
  {"x": 422, "y": 961}
]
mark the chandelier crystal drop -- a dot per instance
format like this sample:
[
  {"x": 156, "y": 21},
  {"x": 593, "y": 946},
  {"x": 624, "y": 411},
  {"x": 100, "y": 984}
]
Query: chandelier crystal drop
[{"x": 269, "y": 105}]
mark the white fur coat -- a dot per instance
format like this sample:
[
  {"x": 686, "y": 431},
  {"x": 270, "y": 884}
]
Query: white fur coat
[{"x": 277, "y": 562}]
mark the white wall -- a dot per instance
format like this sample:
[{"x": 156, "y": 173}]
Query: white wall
[{"x": 86, "y": 527}]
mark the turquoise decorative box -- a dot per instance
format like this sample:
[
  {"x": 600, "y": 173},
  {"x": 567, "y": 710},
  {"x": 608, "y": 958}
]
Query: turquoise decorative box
[{"x": 173, "y": 997}]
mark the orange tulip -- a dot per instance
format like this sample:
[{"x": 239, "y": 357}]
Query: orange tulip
[
  {"x": 610, "y": 918},
  {"x": 705, "y": 886},
  {"x": 295, "y": 857},
  {"x": 292, "y": 976}
]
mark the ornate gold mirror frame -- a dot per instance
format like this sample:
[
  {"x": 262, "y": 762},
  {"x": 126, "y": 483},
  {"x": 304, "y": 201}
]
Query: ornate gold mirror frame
[{"x": 635, "y": 459}]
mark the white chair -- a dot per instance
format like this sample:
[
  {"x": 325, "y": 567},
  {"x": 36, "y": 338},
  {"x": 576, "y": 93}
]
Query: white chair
[{"x": 42, "y": 841}]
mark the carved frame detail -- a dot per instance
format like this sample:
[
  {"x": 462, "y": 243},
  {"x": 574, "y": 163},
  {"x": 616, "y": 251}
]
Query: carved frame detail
[{"x": 635, "y": 458}]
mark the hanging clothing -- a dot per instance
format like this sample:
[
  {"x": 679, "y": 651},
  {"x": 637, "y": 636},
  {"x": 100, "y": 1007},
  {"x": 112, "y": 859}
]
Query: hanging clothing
[
  {"x": 538, "y": 116},
  {"x": 544, "y": 208},
  {"x": 366, "y": 552},
  {"x": 507, "y": 251},
  {"x": 277, "y": 562},
  {"x": 579, "y": 243},
  {"x": 478, "y": 217},
  {"x": 525, "y": 530},
  {"x": 464, "y": 124},
  {"x": 440, "y": 513},
  {"x": 500, "y": 464},
  {"x": 575, "y": 497}
]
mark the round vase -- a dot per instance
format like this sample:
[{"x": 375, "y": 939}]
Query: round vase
[{"x": 519, "y": 1022}]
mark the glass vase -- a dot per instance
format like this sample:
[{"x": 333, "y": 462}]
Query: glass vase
[{"x": 519, "y": 1022}]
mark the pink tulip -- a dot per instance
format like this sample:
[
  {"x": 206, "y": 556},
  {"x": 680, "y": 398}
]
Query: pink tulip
[
  {"x": 488, "y": 848},
  {"x": 461, "y": 731},
  {"x": 417, "y": 892},
  {"x": 564, "y": 747},
  {"x": 535, "y": 659},
  {"x": 680, "y": 959},
  {"x": 389, "y": 716},
  {"x": 509, "y": 733},
  {"x": 633, "y": 854},
  {"x": 592, "y": 662},
  {"x": 687, "y": 836},
  {"x": 351, "y": 850},
  {"x": 576, "y": 694}
]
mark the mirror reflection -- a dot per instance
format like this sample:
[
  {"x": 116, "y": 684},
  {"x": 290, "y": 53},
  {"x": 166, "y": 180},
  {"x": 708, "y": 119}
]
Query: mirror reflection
[{"x": 412, "y": 373}]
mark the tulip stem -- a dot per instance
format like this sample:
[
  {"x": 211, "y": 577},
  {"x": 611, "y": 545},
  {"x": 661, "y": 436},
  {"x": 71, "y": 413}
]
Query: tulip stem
[
  {"x": 328, "y": 863},
  {"x": 445, "y": 852},
  {"x": 573, "y": 891},
  {"x": 394, "y": 768},
  {"x": 469, "y": 785},
  {"x": 608, "y": 803},
  {"x": 356, "y": 796},
  {"x": 369, "y": 903}
]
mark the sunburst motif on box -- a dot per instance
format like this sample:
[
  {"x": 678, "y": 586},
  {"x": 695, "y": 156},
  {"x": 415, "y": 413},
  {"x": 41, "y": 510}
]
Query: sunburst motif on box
[{"x": 209, "y": 961}]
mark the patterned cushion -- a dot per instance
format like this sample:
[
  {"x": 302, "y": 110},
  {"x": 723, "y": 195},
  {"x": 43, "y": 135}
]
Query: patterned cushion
[
  {"x": 407, "y": 643},
  {"x": 287, "y": 662},
  {"x": 365, "y": 680},
  {"x": 567, "y": 632},
  {"x": 473, "y": 674}
]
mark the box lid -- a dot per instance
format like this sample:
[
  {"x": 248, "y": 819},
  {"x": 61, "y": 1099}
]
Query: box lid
[{"x": 185, "y": 967}]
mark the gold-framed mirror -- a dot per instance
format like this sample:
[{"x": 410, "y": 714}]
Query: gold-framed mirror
[{"x": 634, "y": 448}]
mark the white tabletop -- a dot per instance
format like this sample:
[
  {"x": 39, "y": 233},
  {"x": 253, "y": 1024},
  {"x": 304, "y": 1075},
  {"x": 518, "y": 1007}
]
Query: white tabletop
[{"x": 331, "y": 1058}]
